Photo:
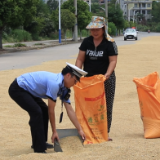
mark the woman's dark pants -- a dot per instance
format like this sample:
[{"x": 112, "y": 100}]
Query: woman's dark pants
[
  {"x": 38, "y": 112},
  {"x": 110, "y": 92}
]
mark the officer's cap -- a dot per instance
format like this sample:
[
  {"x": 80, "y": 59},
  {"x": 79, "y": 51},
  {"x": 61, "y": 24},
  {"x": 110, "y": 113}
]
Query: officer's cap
[{"x": 76, "y": 71}]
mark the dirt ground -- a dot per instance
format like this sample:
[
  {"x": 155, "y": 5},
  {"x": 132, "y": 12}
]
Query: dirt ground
[{"x": 137, "y": 60}]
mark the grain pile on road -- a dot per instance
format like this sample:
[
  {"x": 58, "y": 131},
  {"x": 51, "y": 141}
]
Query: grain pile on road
[{"x": 137, "y": 60}]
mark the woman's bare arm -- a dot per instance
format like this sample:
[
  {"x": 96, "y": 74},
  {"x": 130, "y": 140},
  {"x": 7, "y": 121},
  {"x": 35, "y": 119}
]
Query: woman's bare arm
[
  {"x": 112, "y": 65},
  {"x": 80, "y": 59}
]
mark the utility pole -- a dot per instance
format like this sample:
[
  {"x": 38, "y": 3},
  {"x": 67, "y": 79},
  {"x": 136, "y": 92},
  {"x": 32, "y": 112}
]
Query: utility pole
[
  {"x": 106, "y": 11},
  {"x": 75, "y": 26},
  {"x": 90, "y": 5},
  {"x": 127, "y": 12},
  {"x": 59, "y": 21}
]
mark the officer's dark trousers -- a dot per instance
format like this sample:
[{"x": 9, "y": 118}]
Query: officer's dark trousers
[{"x": 38, "y": 112}]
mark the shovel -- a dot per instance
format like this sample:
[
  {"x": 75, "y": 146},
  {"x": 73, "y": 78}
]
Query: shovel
[
  {"x": 69, "y": 132},
  {"x": 57, "y": 147},
  {"x": 65, "y": 133}
]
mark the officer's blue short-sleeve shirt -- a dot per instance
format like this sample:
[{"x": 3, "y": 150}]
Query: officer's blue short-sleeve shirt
[{"x": 43, "y": 84}]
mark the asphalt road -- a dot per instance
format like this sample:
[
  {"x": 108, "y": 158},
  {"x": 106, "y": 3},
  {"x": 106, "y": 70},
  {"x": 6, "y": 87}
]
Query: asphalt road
[{"x": 29, "y": 58}]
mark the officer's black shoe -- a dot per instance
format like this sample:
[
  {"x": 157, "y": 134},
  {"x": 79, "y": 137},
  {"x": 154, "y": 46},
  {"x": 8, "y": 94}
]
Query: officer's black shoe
[
  {"x": 48, "y": 146},
  {"x": 41, "y": 152}
]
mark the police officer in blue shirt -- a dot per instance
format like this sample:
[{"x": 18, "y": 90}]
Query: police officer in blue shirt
[{"x": 28, "y": 90}]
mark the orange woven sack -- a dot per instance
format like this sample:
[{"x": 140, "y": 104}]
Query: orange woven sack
[
  {"x": 148, "y": 89},
  {"x": 91, "y": 109}
]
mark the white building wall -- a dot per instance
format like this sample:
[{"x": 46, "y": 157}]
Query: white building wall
[{"x": 134, "y": 6}]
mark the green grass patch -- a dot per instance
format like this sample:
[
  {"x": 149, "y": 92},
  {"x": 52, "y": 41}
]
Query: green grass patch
[
  {"x": 15, "y": 45},
  {"x": 21, "y": 35},
  {"x": 8, "y": 46},
  {"x": 17, "y": 35},
  {"x": 20, "y": 45},
  {"x": 39, "y": 44}
]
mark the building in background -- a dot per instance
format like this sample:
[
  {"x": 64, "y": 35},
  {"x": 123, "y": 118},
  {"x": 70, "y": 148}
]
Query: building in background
[{"x": 133, "y": 8}]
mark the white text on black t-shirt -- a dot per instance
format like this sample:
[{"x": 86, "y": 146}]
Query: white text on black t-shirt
[{"x": 94, "y": 53}]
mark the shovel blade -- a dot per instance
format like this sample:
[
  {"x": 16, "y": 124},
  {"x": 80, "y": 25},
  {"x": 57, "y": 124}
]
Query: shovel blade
[
  {"x": 57, "y": 147},
  {"x": 62, "y": 133},
  {"x": 67, "y": 132}
]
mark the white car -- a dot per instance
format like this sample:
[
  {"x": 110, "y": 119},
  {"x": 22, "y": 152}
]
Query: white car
[{"x": 130, "y": 34}]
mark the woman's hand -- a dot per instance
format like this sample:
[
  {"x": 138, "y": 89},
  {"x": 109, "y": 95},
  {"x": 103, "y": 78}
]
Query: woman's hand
[
  {"x": 107, "y": 76},
  {"x": 111, "y": 67}
]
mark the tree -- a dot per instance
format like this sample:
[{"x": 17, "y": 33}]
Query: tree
[
  {"x": 95, "y": 8},
  {"x": 95, "y": 1},
  {"x": 52, "y": 5},
  {"x": 155, "y": 11},
  {"x": 115, "y": 15},
  {"x": 67, "y": 19},
  {"x": 69, "y": 5},
  {"x": 112, "y": 27},
  {"x": 126, "y": 24},
  {"x": 42, "y": 24},
  {"x": 14, "y": 13},
  {"x": 83, "y": 14},
  {"x": 141, "y": 18},
  {"x": 158, "y": 27}
]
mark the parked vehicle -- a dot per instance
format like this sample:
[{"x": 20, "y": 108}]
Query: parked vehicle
[{"x": 130, "y": 34}]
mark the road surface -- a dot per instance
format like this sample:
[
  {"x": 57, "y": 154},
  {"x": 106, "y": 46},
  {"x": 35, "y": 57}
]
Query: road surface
[{"x": 29, "y": 58}]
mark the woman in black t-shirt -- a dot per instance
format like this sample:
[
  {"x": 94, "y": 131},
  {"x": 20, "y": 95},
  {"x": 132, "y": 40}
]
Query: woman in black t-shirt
[{"x": 98, "y": 55}]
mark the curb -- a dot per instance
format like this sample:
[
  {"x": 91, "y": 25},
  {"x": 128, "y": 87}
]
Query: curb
[{"x": 19, "y": 49}]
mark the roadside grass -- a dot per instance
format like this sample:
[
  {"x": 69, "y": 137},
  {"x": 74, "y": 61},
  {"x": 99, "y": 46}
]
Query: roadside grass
[
  {"x": 20, "y": 45},
  {"x": 8, "y": 46},
  {"x": 15, "y": 45},
  {"x": 39, "y": 44},
  {"x": 19, "y": 35}
]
